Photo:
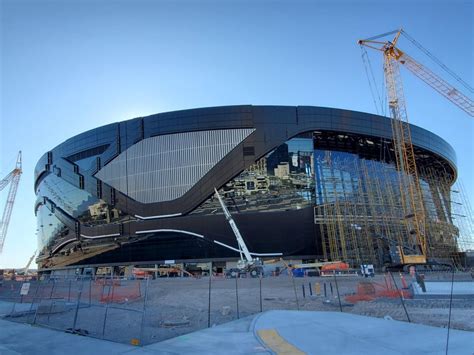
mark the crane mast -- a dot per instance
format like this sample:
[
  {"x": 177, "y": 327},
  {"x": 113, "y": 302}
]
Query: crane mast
[
  {"x": 13, "y": 178},
  {"x": 410, "y": 190}
]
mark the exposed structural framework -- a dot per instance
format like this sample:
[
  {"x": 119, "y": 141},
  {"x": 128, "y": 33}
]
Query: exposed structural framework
[
  {"x": 135, "y": 192},
  {"x": 412, "y": 243},
  {"x": 13, "y": 178},
  {"x": 362, "y": 217}
]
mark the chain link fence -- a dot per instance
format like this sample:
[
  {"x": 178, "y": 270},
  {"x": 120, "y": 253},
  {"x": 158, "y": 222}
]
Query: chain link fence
[{"x": 145, "y": 311}]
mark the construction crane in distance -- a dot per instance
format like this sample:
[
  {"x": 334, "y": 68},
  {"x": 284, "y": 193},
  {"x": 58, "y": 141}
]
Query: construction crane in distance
[
  {"x": 410, "y": 190},
  {"x": 13, "y": 178}
]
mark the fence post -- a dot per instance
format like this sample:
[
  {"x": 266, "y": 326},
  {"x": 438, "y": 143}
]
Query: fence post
[
  {"x": 450, "y": 306},
  {"x": 113, "y": 289},
  {"x": 310, "y": 289},
  {"x": 51, "y": 299},
  {"x": 144, "y": 310},
  {"x": 34, "y": 298},
  {"x": 296, "y": 293},
  {"x": 337, "y": 290},
  {"x": 261, "y": 305},
  {"x": 237, "y": 296},
  {"x": 401, "y": 297},
  {"x": 317, "y": 289},
  {"x": 15, "y": 302},
  {"x": 77, "y": 307},
  {"x": 90, "y": 291},
  {"x": 304, "y": 293},
  {"x": 106, "y": 312},
  {"x": 209, "y": 303},
  {"x": 40, "y": 299}
]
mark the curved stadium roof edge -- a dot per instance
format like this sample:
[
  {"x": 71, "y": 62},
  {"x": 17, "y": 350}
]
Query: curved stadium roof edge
[{"x": 238, "y": 116}]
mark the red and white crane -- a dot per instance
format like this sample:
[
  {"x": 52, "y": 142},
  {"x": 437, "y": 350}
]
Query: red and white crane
[{"x": 13, "y": 178}]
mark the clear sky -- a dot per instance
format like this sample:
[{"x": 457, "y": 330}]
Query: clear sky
[{"x": 70, "y": 66}]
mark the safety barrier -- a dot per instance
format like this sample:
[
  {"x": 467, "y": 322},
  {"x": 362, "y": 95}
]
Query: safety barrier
[
  {"x": 370, "y": 290},
  {"x": 145, "y": 311}
]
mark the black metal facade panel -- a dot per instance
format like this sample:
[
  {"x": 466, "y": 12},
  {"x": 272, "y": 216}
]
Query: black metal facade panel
[
  {"x": 371, "y": 125},
  {"x": 297, "y": 224},
  {"x": 274, "y": 125}
]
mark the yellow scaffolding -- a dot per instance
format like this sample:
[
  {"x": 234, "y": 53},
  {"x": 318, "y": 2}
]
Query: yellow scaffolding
[{"x": 361, "y": 217}]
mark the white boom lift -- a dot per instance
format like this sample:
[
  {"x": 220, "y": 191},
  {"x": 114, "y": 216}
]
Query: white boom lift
[
  {"x": 27, "y": 267},
  {"x": 244, "y": 263}
]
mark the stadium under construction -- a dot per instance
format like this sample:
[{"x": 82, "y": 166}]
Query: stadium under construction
[{"x": 304, "y": 183}]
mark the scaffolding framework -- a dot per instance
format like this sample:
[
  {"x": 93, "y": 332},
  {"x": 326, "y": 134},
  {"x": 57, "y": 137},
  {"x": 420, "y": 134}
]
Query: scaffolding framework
[{"x": 361, "y": 214}]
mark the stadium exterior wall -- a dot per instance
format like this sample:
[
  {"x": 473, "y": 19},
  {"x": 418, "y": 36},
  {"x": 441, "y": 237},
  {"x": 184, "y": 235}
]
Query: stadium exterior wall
[{"x": 141, "y": 190}]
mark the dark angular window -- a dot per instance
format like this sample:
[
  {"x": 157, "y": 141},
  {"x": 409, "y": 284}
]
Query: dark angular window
[{"x": 249, "y": 151}]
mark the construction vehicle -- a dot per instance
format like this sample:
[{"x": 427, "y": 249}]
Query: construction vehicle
[
  {"x": 319, "y": 268},
  {"x": 246, "y": 261},
  {"x": 367, "y": 270},
  {"x": 25, "y": 274},
  {"x": 337, "y": 269},
  {"x": 410, "y": 249},
  {"x": 27, "y": 267},
  {"x": 168, "y": 271},
  {"x": 13, "y": 178}
]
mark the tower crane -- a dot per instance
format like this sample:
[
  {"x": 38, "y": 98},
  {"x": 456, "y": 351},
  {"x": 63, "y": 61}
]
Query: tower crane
[
  {"x": 13, "y": 178},
  {"x": 410, "y": 189}
]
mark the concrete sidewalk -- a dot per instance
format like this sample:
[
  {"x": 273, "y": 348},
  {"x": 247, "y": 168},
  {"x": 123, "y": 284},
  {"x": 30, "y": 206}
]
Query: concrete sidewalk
[
  {"x": 344, "y": 333},
  {"x": 442, "y": 289},
  {"x": 18, "y": 338},
  {"x": 278, "y": 332},
  {"x": 235, "y": 337}
]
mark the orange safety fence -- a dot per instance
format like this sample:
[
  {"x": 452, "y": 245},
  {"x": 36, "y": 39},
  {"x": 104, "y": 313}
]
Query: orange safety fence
[
  {"x": 100, "y": 290},
  {"x": 120, "y": 293},
  {"x": 369, "y": 291},
  {"x": 107, "y": 282}
]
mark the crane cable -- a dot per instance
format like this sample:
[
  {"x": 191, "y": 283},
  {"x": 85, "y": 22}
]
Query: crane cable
[
  {"x": 437, "y": 61},
  {"x": 372, "y": 82}
]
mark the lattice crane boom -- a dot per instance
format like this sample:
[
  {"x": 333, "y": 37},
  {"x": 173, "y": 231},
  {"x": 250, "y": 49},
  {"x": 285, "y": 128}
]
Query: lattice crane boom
[
  {"x": 13, "y": 178},
  {"x": 444, "y": 88},
  {"x": 411, "y": 193},
  {"x": 6, "y": 180},
  {"x": 429, "y": 77}
]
